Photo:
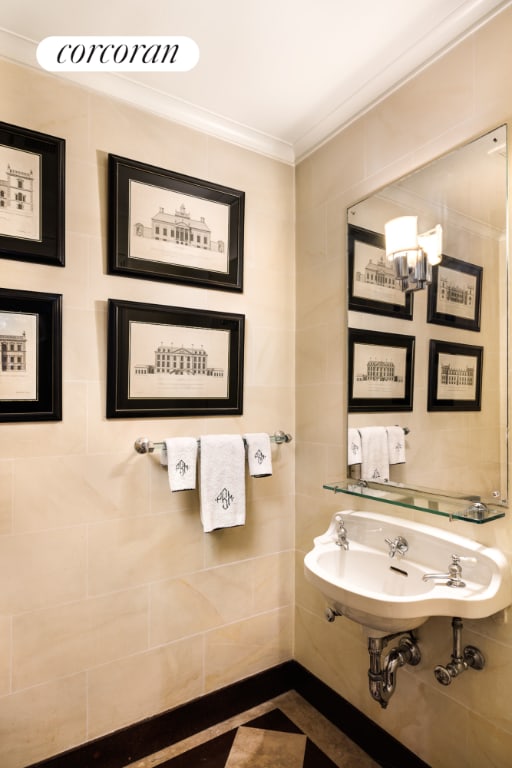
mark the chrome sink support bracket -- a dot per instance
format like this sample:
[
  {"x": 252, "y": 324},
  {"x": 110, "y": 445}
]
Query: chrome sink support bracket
[
  {"x": 382, "y": 677},
  {"x": 462, "y": 659}
]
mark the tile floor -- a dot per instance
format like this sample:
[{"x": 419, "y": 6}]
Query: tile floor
[{"x": 285, "y": 732}]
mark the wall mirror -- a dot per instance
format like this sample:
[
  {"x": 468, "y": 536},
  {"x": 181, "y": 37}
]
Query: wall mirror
[{"x": 446, "y": 343}]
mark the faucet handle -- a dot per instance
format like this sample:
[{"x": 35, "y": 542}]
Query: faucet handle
[
  {"x": 341, "y": 532},
  {"x": 397, "y": 545},
  {"x": 457, "y": 559}
]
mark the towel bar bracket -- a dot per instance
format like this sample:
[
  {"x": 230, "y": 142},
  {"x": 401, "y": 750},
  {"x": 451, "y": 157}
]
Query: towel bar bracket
[{"x": 145, "y": 445}]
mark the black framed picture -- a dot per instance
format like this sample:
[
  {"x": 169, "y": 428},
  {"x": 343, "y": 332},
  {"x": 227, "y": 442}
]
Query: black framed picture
[
  {"x": 167, "y": 226},
  {"x": 373, "y": 286},
  {"x": 32, "y": 194},
  {"x": 454, "y": 376},
  {"x": 381, "y": 371},
  {"x": 455, "y": 295},
  {"x": 171, "y": 361},
  {"x": 30, "y": 356}
]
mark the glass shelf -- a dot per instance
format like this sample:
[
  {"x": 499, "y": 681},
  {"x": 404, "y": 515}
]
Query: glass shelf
[{"x": 467, "y": 509}]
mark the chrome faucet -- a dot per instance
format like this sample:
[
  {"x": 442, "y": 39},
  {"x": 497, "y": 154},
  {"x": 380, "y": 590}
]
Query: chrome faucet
[
  {"x": 341, "y": 532},
  {"x": 454, "y": 576},
  {"x": 397, "y": 546}
]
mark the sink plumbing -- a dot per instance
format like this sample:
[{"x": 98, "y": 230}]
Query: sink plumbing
[
  {"x": 461, "y": 659},
  {"x": 371, "y": 568},
  {"x": 382, "y": 677}
]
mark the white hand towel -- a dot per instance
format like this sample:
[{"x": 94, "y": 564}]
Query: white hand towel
[
  {"x": 354, "y": 447},
  {"x": 180, "y": 455},
  {"x": 222, "y": 487},
  {"x": 396, "y": 445},
  {"x": 259, "y": 456},
  {"x": 374, "y": 451}
]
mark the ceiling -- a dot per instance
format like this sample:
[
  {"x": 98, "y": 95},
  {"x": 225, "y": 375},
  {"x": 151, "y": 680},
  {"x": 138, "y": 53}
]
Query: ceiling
[{"x": 276, "y": 76}]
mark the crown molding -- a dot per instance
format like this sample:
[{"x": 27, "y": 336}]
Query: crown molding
[
  {"x": 23, "y": 51},
  {"x": 377, "y": 86},
  {"x": 433, "y": 46}
]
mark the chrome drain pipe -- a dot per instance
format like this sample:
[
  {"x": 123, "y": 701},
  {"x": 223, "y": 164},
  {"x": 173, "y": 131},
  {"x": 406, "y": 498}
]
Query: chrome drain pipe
[{"x": 382, "y": 677}]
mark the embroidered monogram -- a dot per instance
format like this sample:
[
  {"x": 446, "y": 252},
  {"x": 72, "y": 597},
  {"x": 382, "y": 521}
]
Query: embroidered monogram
[
  {"x": 354, "y": 448},
  {"x": 182, "y": 467},
  {"x": 259, "y": 456},
  {"x": 225, "y": 498}
]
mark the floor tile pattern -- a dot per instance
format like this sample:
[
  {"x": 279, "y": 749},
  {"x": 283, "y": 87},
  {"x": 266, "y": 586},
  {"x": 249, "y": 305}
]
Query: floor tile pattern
[{"x": 285, "y": 732}]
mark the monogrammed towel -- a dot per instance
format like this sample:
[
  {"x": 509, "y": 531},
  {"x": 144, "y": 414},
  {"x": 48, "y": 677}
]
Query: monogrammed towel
[
  {"x": 180, "y": 455},
  {"x": 353, "y": 447},
  {"x": 375, "y": 456},
  {"x": 259, "y": 456},
  {"x": 222, "y": 484},
  {"x": 396, "y": 445}
]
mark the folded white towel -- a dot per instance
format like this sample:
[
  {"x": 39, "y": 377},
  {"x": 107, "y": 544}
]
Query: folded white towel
[
  {"x": 259, "y": 455},
  {"x": 180, "y": 456},
  {"x": 222, "y": 487},
  {"x": 354, "y": 447},
  {"x": 396, "y": 445},
  {"x": 375, "y": 457}
]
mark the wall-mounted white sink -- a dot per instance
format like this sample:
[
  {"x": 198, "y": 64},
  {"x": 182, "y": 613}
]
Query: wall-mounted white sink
[{"x": 389, "y": 594}]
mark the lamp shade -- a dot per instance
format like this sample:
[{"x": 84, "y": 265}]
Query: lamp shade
[
  {"x": 432, "y": 243},
  {"x": 401, "y": 235}
]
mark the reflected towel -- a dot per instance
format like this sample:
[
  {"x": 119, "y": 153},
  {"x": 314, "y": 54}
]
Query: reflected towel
[
  {"x": 259, "y": 456},
  {"x": 396, "y": 445},
  {"x": 375, "y": 456},
  {"x": 354, "y": 447},
  {"x": 222, "y": 485},
  {"x": 180, "y": 456}
]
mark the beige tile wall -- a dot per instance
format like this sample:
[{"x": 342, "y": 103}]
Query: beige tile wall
[
  {"x": 110, "y": 608},
  {"x": 114, "y": 605},
  {"x": 459, "y": 97}
]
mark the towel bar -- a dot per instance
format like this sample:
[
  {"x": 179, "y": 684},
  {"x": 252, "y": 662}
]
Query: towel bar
[{"x": 145, "y": 445}]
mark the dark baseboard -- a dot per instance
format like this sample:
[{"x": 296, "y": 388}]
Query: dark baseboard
[
  {"x": 142, "y": 739},
  {"x": 376, "y": 742}
]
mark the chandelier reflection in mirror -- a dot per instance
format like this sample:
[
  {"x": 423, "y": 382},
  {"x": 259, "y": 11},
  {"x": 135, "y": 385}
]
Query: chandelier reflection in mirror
[{"x": 413, "y": 254}]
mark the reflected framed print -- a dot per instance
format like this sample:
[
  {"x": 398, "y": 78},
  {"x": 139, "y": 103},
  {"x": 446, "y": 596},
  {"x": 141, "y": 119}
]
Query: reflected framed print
[
  {"x": 455, "y": 295},
  {"x": 454, "y": 376},
  {"x": 373, "y": 286},
  {"x": 381, "y": 371}
]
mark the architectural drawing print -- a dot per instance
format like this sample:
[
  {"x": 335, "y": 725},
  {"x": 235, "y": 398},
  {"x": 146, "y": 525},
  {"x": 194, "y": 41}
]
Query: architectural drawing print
[
  {"x": 19, "y": 194},
  {"x": 179, "y": 361},
  {"x": 178, "y": 229},
  {"x": 456, "y": 377},
  {"x": 374, "y": 275},
  {"x": 379, "y": 371},
  {"x": 195, "y": 367},
  {"x": 456, "y": 293},
  {"x": 18, "y": 356}
]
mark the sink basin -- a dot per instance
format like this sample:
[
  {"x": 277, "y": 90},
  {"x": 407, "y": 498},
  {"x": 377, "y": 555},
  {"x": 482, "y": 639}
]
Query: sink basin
[{"x": 388, "y": 594}]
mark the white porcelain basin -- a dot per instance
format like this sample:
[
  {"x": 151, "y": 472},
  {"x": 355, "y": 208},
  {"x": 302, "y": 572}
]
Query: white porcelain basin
[{"x": 389, "y": 594}]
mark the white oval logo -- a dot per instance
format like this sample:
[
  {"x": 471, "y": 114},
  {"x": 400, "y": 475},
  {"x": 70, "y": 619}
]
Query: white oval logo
[{"x": 103, "y": 53}]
